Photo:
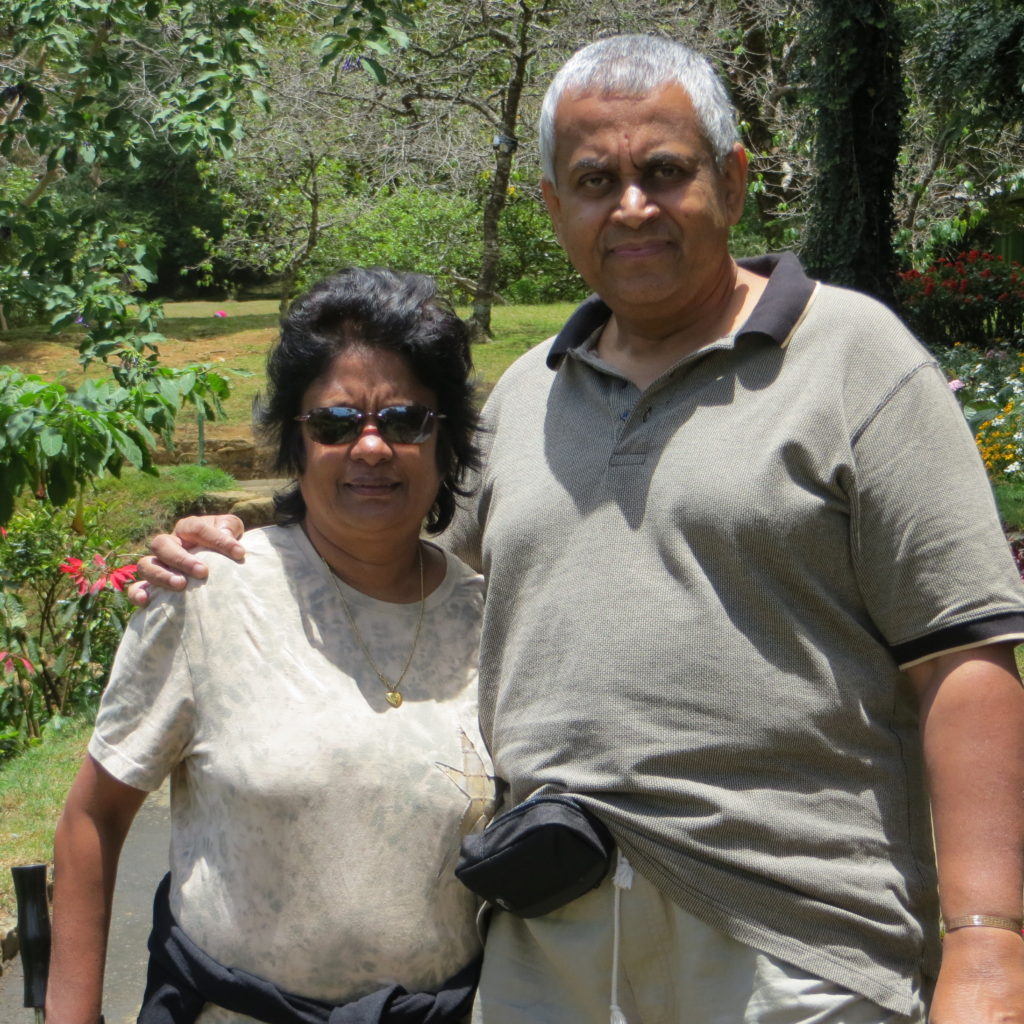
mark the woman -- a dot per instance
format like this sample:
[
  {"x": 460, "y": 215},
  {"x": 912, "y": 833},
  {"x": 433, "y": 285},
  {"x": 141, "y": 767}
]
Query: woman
[{"x": 315, "y": 706}]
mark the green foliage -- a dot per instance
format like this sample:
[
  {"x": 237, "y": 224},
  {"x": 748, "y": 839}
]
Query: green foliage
[
  {"x": 361, "y": 25},
  {"x": 77, "y": 98},
  {"x": 533, "y": 267},
  {"x": 972, "y": 54},
  {"x": 53, "y": 441},
  {"x": 435, "y": 231},
  {"x": 975, "y": 299},
  {"x": 161, "y": 204},
  {"x": 87, "y": 84},
  {"x": 410, "y": 228},
  {"x": 62, "y": 613}
]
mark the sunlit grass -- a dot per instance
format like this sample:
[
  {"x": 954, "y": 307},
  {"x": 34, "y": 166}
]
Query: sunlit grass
[
  {"x": 1010, "y": 499},
  {"x": 516, "y": 330},
  {"x": 195, "y": 335},
  {"x": 131, "y": 509},
  {"x": 33, "y": 788}
]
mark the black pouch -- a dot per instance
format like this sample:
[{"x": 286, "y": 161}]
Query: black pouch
[{"x": 537, "y": 857}]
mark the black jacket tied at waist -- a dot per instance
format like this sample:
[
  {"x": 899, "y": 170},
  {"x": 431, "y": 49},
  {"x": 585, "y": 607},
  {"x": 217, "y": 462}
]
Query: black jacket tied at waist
[{"x": 182, "y": 978}]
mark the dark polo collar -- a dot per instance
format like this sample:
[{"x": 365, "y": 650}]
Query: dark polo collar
[{"x": 777, "y": 312}]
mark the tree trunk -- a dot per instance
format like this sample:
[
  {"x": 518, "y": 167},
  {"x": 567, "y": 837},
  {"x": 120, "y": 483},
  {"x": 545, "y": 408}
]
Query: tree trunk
[
  {"x": 861, "y": 102},
  {"x": 483, "y": 292},
  {"x": 497, "y": 196}
]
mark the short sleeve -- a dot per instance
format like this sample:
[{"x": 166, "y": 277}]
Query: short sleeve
[
  {"x": 146, "y": 720},
  {"x": 932, "y": 561}
]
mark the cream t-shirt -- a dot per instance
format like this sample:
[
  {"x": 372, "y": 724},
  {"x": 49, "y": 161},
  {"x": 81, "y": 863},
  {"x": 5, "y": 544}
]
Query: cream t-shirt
[{"x": 314, "y": 827}]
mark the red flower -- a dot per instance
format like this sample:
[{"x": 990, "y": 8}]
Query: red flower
[
  {"x": 73, "y": 568},
  {"x": 120, "y": 577},
  {"x": 117, "y": 578},
  {"x": 7, "y": 659}
]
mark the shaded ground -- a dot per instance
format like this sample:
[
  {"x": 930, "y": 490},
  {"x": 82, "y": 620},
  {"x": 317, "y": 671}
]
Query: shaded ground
[{"x": 143, "y": 864}]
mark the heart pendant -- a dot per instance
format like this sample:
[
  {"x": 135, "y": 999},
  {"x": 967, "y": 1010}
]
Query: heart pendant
[{"x": 394, "y": 698}]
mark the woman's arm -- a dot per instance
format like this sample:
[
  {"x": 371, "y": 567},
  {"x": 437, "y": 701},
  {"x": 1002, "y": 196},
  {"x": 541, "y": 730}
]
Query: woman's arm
[{"x": 90, "y": 833}]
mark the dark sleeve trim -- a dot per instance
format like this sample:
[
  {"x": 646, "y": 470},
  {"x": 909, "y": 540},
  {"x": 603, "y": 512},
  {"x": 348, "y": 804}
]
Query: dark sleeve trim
[{"x": 1005, "y": 628}]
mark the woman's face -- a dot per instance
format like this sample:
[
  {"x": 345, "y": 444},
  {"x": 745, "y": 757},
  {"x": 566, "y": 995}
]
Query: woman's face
[{"x": 369, "y": 486}]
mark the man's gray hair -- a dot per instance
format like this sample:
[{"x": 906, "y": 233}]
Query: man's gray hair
[{"x": 636, "y": 66}]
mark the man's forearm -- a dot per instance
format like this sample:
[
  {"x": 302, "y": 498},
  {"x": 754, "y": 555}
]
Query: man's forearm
[
  {"x": 973, "y": 737},
  {"x": 972, "y": 731}
]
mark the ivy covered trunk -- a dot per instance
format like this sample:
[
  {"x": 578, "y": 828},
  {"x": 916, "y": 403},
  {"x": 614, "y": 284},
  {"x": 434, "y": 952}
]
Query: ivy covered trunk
[{"x": 859, "y": 93}]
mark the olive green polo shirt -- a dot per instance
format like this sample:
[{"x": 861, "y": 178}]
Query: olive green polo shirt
[{"x": 700, "y": 595}]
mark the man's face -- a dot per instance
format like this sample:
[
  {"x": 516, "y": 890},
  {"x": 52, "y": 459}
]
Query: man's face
[{"x": 639, "y": 205}]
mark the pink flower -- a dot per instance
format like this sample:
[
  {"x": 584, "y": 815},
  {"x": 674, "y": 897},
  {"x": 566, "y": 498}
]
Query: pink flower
[
  {"x": 7, "y": 659},
  {"x": 220, "y": 313},
  {"x": 956, "y": 385}
]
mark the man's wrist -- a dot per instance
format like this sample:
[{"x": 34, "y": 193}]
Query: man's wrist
[{"x": 1009, "y": 924}]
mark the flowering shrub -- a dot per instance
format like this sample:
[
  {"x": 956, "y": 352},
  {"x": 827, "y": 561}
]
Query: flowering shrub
[
  {"x": 976, "y": 299},
  {"x": 62, "y": 612},
  {"x": 990, "y": 387}
]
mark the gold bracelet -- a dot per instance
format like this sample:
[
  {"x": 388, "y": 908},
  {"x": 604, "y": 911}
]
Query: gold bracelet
[{"x": 1009, "y": 924}]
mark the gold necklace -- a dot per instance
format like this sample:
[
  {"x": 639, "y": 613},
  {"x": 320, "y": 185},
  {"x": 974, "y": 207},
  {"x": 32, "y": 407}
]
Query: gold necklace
[{"x": 392, "y": 694}]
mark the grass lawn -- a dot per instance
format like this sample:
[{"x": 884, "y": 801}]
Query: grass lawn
[
  {"x": 1010, "y": 499},
  {"x": 32, "y": 791}
]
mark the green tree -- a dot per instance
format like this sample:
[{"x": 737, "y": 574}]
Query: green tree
[
  {"x": 962, "y": 162},
  {"x": 87, "y": 87}
]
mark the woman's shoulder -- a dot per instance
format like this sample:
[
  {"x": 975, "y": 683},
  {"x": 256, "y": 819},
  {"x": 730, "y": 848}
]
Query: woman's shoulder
[
  {"x": 267, "y": 548},
  {"x": 460, "y": 576},
  {"x": 273, "y": 555}
]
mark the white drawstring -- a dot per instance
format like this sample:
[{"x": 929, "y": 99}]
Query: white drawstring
[{"x": 623, "y": 879}]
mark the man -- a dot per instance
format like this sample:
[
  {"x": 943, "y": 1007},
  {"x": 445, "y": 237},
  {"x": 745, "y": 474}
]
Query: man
[{"x": 747, "y": 598}]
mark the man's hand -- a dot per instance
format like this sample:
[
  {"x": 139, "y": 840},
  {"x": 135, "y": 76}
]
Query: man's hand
[
  {"x": 171, "y": 565},
  {"x": 981, "y": 980}
]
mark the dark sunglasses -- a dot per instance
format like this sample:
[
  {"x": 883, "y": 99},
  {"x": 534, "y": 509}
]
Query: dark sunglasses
[{"x": 397, "y": 424}]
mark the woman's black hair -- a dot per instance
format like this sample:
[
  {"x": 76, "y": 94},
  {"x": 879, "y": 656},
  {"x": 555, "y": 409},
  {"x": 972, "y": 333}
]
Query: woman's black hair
[{"x": 380, "y": 309}]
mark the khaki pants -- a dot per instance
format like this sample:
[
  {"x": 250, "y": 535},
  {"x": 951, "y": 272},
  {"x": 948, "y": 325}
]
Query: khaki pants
[{"x": 674, "y": 969}]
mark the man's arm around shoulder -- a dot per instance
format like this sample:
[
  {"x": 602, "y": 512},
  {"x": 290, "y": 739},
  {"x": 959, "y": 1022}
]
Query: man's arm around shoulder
[{"x": 172, "y": 564}]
